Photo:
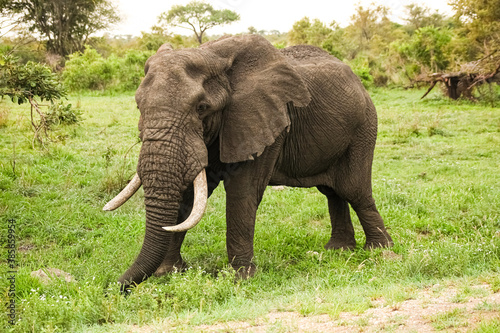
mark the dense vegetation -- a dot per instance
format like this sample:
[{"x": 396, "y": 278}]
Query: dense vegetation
[
  {"x": 436, "y": 183},
  {"x": 380, "y": 51}
]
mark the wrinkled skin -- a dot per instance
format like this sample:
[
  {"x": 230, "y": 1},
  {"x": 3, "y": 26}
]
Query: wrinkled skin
[{"x": 252, "y": 116}]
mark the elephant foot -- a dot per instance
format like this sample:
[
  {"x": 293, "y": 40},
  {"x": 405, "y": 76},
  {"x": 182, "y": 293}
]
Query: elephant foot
[
  {"x": 382, "y": 241},
  {"x": 166, "y": 268},
  {"x": 244, "y": 272},
  {"x": 340, "y": 244}
]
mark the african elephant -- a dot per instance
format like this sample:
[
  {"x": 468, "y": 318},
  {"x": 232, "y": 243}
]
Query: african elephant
[{"x": 240, "y": 111}]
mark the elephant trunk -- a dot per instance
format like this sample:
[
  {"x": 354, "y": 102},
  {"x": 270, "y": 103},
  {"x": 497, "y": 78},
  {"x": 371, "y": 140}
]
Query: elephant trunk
[
  {"x": 163, "y": 176},
  {"x": 156, "y": 241}
]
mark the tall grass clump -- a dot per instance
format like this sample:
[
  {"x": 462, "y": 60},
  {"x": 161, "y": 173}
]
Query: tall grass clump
[{"x": 4, "y": 117}]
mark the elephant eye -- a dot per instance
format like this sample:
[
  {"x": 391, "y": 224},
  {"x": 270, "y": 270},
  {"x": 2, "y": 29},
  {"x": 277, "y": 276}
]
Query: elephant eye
[{"x": 202, "y": 107}]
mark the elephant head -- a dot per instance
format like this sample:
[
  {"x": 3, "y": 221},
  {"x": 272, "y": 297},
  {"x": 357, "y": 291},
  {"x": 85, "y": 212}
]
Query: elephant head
[{"x": 234, "y": 92}]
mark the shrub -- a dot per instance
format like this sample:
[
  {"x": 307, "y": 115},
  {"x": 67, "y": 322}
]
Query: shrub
[
  {"x": 364, "y": 75},
  {"x": 60, "y": 114},
  {"x": 90, "y": 71},
  {"x": 23, "y": 83},
  {"x": 87, "y": 70}
]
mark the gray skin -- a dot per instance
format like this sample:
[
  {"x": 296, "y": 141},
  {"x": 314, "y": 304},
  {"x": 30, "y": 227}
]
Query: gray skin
[{"x": 252, "y": 116}]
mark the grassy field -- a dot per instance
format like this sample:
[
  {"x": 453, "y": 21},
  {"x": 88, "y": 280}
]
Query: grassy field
[{"x": 436, "y": 181}]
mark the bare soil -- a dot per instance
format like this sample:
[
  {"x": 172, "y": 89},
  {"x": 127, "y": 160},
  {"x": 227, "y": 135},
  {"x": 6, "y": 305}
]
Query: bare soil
[
  {"x": 429, "y": 311},
  {"x": 433, "y": 309}
]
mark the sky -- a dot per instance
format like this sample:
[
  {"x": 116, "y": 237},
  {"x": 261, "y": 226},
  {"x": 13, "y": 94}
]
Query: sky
[{"x": 268, "y": 15}]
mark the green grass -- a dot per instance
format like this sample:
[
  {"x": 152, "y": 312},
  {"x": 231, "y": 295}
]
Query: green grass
[{"x": 436, "y": 181}]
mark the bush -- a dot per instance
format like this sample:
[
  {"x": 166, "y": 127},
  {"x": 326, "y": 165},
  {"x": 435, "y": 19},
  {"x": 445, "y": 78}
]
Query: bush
[
  {"x": 23, "y": 82},
  {"x": 60, "y": 114},
  {"x": 364, "y": 75},
  {"x": 90, "y": 71},
  {"x": 361, "y": 67},
  {"x": 87, "y": 70}
]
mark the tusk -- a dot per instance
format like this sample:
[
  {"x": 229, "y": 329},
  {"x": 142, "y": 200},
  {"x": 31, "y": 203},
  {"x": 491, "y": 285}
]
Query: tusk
[
  {"x": 199, "y": 205},
  {"x": 125, "y": 194}
]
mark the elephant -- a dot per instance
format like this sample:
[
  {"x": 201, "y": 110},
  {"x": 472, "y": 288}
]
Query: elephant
[{"x": 239, "y": 111}]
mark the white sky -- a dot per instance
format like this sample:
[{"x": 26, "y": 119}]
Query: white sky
[{"x": 140, "y": 15}]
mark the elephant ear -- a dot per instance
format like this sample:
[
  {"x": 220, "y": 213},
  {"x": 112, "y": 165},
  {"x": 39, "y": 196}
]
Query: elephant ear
[{"x": 262, "y": 82}]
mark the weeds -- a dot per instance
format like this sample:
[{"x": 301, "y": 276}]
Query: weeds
[
  {"x": 60, "y": 114},
  {"x": 4, "y": 117}
]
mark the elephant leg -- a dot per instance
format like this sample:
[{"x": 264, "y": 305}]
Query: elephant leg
[
  {"x": 240, "y": 222},
  {"x": 372, "y": 223},
  {"x": 357, "y": 191},
  {"x": 173, "y": 262},
  {"x": 354, "y": 185},
  {"x": 353, "y": 182},
  {"x": 244, "y": 190},
  {"x": 342, "y": 229}
]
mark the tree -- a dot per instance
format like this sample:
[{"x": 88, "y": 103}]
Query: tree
[
  {"x": 428, "y": 47},
  {"x": 366, "y": 23},
  {"x": 8, "y": 21},
  {"x": 65, "y": 24},
  {"x": 252, "y": 30},
  {"x": 306, "y": 32},
  {"x": 418, "y": 17},
  {"x": 25, "y": 83},
  {"x": 335, "y": 43},
  {"x": 480, "y": 21},
  {"x": 198, "y": 17}
]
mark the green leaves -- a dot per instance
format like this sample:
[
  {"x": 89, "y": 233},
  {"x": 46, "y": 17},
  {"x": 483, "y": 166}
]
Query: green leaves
[
  {"x": 64, "y": 25},
  {"x": 429, "y": 47},
  {"x": 24, "y": 82},
  {"x": 90, "y": 71}
]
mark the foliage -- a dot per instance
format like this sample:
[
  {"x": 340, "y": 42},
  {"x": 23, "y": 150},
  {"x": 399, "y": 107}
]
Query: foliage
[
  {"x": 305, "y": 32},
  {"x": 382, "y": 52},
  {"x": 91, "y": 71},
  {"x": 158, "y": 36},
  {"x": 336, "y": 43},
  {"x": 419, "y": 17},
  {"x": 480, "y": 21},
  {"x": 65, "y": 24},
  {"x": 428, "y": 47},
  {"x": 361, "y": 67},
  {"x": 367, "y": 23},
  {"x": 88, "y": 70},
  {"x": 60, "y": 114},
  {"x": 197, "y": 16},
  {"x": 435, "y": 178},
  {"x": 9, "y": 22},
  {"x": 23, "y": 83}
]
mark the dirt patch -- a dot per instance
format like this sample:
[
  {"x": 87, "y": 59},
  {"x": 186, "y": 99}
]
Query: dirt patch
[
  {"x": 437, "y": 308},
  {"x": 430, "y": 310}
]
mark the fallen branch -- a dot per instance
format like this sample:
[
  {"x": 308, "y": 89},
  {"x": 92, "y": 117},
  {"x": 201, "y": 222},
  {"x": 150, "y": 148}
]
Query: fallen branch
[{"x": 472, "y": 74}]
